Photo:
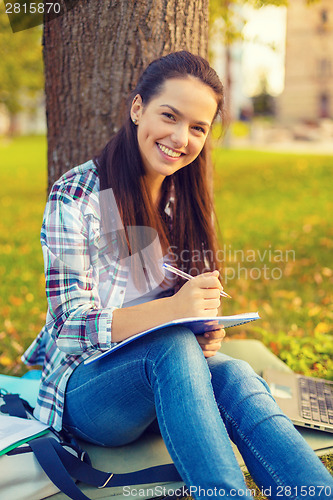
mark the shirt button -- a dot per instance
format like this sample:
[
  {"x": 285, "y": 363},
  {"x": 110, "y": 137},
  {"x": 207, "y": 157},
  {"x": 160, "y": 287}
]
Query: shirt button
[{"x": 121, "y": 292}]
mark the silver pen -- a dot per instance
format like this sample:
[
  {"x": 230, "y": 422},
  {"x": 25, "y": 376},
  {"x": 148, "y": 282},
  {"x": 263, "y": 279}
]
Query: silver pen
[{"x": 186, "y": 276}]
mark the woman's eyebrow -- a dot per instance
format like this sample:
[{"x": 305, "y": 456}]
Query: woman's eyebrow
[{"x": 177, "y": 112}]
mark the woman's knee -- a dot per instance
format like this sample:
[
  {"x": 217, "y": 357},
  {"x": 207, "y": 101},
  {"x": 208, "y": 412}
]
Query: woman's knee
[
  {"x": 241, "y": 371},
  {"x": 237, "y": 369},
  {"x": 177, "y": 352},
  {"x": 237, "y": 376},
  {"x": 230, "y": 368},
  {"x": 178, "y": 341},
  {"x": 242, "y": 395}
]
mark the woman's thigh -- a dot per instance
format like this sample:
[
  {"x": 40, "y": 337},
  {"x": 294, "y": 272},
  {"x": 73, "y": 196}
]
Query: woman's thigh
[{"x": 110, "y": 402}]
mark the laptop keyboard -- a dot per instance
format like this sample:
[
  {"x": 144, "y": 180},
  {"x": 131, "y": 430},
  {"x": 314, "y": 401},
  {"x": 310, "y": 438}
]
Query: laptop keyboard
[{"x": 316, "y": 398}]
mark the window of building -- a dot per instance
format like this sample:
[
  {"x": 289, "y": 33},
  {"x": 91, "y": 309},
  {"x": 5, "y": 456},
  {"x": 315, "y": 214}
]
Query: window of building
[
  {"x": 324, "y": 68},
  {"x": 324, "y": 16},
  {"x": 324, "y": 105}
]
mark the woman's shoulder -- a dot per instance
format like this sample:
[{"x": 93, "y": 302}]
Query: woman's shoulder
[
  {"x": 78, "y": 182},
  {"x": 76, "y": 192},
  {"x": 84, "y": 176}
]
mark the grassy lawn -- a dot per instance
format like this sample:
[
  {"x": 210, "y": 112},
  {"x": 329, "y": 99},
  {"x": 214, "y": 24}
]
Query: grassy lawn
[
  {"x": 23, "y": 177},
  {"x": 274, "y": 212}
]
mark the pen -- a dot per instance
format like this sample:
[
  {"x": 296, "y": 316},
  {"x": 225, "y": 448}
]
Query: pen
[{"x": 186, "y": 276}]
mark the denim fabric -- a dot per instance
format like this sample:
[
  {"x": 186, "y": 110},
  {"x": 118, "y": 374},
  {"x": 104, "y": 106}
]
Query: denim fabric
[{"x": 198, "y": 403}]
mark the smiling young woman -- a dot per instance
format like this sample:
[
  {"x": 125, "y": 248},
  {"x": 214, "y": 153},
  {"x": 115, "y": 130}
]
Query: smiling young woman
[
  {"x": 173, "y": 106},
  {"x": 153, "y": 175}
]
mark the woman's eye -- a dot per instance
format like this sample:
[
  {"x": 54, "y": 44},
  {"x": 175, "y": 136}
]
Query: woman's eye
[
  {"x": 169, "y": 115},
  {"x": 200, "y": 129}
]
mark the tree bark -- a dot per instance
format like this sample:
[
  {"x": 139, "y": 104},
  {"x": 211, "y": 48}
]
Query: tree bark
[{"x": 93, "y": 55}]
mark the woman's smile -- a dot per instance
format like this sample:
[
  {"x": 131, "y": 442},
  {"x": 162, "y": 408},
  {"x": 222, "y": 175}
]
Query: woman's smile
[{"x": 169, "y": 153}]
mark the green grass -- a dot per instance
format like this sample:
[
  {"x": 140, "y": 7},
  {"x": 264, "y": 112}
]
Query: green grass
[
  {"x": 263, "y": 201},
  {"x": 281, "y": 204},
  {"x": 22, "y": 198}
]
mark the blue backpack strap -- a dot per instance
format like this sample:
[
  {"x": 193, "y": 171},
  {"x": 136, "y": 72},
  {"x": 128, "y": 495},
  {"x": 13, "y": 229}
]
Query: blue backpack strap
[
  {"x": 49, "y": 452},
  {"x": 15, "y": 406},
  {"x": 158, "y": 473},
  {"x": 61, "y": 466},
  {"x": 54, "y": 468}
]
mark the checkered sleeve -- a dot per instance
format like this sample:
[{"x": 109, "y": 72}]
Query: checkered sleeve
[{"x": 78, "y": 322}]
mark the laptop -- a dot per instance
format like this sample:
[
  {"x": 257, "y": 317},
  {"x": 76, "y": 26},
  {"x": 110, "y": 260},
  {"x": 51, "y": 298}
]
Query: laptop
[{"x": 307, "y": 401}]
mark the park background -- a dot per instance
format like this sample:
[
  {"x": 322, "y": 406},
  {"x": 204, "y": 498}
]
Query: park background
[{"x": 272, "y": 180}]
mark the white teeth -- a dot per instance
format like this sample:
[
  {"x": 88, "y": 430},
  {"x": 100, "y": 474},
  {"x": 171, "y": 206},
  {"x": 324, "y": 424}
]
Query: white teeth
[{"x": 168, "y": 151}]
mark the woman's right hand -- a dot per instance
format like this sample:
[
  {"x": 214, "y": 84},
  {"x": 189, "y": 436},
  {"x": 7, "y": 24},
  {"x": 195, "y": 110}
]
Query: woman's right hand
[{"x": 199, "y": 296}]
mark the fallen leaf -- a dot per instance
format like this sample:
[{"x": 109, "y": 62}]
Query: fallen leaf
[
  {"x": 313, "y": 311},
  {"x": 327, "y": 272},
  {"x": 322, "y": 327},
  {"x": 5, "y": 360},
  {"x": 318, "y": 278}
]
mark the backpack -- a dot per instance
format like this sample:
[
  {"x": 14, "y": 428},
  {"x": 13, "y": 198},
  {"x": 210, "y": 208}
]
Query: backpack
[{"x": 40, "y": 465}]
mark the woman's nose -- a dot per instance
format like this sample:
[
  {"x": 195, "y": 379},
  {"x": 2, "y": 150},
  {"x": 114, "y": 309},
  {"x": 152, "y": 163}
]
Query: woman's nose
[{"x": 180, "y": 137}]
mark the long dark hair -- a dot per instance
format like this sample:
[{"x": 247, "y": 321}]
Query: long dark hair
[{"x": 120, "y": 167}]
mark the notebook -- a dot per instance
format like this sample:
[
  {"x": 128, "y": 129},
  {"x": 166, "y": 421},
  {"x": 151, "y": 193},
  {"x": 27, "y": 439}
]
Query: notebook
[
  {"x": 307, "y": 401},
  {"x": 197, "y": 325},
  {"x": 16, "y": 431}
]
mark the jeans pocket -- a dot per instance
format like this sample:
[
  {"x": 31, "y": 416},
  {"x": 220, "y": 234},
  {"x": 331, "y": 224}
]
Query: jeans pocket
[{"x": 77, "y": 433}]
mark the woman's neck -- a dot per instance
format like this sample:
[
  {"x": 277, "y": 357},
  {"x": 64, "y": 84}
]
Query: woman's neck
[{"x": 155, "y": 189}]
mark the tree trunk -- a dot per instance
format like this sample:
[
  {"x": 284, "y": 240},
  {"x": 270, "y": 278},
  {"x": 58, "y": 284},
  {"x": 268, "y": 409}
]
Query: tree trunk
[
  {"x": 14, "y": 125},
  {"x": 93, "y": 55},
  {"x": 228, "y": 82}
]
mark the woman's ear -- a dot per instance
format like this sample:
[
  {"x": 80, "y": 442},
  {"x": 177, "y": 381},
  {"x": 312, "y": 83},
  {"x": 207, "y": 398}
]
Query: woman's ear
[{"x": 136, "y": 109}]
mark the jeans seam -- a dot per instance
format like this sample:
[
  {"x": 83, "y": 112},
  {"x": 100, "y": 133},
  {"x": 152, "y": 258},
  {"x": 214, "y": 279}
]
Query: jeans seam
[
  {"x": 144, "y": 376},
  {"x": 165, "y": 429},
  {"x": 263, "y": 462},
  {"x": 81, "y": 386}
]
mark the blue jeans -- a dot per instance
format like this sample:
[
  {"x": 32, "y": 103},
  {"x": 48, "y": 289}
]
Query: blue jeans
[{"x": 199, "y": 404}]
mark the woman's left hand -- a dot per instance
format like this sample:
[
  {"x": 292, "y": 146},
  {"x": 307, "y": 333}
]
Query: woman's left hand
[{"x": 210, "y": 342}]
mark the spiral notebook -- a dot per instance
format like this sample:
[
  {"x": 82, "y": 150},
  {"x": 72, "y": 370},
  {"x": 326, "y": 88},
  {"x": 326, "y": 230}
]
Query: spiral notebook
[{"x": 197, "y": 325}]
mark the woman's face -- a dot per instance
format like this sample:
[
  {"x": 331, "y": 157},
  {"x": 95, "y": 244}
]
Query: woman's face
[{"x": 172, "y": 128}]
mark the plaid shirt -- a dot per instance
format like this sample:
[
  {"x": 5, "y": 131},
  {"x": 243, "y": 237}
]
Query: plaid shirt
[{"x": 83, "y": 286}]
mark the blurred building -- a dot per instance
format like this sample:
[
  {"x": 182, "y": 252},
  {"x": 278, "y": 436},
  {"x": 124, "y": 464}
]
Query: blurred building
[
  {"x": 232, "y": 76},
  {"x": 308, "y": 92}
]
